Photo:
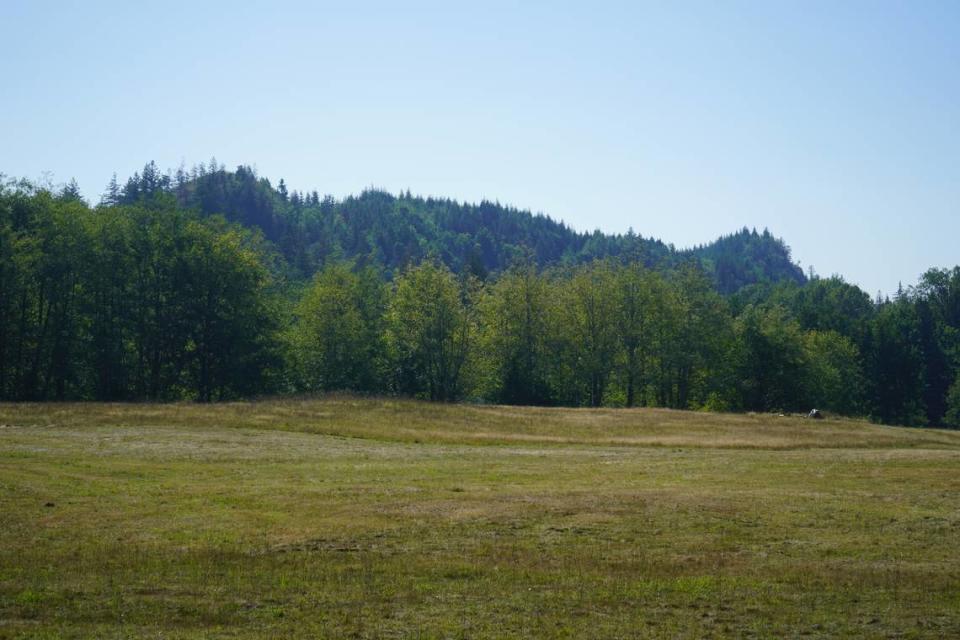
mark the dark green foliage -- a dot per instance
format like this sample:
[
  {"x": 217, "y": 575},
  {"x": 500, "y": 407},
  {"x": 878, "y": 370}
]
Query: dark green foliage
[
  {"x": 937, "y": 299},
  {"x": 773, "y": 360},
  {"x": 895, "y": 365},
  {"x": 396, "y": 231},
  {"x": 128, "y": 302},
  {"x": 830, "y": 304},
  {"x": 43, "y": 255},
  {"x": 748, "y": 257},
  {"x": 952, "y": 418}
]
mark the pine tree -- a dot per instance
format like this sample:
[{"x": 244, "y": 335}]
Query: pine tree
[
  {"x": 111, "y": 196},
  {"x": 71, "y": 192}
]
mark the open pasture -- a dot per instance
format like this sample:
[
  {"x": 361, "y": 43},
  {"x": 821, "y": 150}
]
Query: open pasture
[{"x": 374, "y": 518}]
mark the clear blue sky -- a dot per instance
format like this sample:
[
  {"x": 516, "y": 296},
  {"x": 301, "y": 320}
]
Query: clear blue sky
[{"x": 835, "y": 124}]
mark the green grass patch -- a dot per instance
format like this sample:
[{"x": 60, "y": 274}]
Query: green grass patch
[{"x": 346, "y": 517}]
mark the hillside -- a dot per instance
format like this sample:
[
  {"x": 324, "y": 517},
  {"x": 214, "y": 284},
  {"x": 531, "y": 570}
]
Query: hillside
[
  {"x": 396, "y": 230},
  {"x": 370, "y": 518}
]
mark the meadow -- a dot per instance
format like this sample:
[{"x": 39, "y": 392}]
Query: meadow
[{"x": 344, "y": 517}]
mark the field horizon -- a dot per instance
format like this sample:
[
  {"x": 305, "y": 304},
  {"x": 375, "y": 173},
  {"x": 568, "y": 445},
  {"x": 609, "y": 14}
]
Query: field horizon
[{"x": 343, "y": 516}]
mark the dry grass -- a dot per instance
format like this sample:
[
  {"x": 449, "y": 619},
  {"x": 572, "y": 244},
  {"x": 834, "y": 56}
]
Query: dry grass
[
  {"x": 412, "y": 421},
  {"x": 382, "y": 518}
]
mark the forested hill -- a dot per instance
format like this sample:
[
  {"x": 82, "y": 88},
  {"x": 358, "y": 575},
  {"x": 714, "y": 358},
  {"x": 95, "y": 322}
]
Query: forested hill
[
  {"x": 394, "y": 231},
  {"x": 139, "y": 298}
]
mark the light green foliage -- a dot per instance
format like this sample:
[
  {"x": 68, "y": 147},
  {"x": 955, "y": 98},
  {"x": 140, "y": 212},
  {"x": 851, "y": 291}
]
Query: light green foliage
[
  {"x": 834, "y": 378},
  {"x": 514, "y": 348},
  {"x": 696, "y": 337},
  {"x": 640, "y": 317},
  {"x": 339, "y": 333},
  {"x": 783, "y": 368},
  {"x": 431, "y": 327},
  {"x": 587, "y": 320}
]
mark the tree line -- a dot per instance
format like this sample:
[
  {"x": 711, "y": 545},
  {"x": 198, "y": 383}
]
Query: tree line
[
  {"x": 146, "y": 300},
  {"x": 129, "y": 302}
]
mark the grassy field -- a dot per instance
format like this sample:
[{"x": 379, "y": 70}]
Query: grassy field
[{"x": 397, "y": 519}]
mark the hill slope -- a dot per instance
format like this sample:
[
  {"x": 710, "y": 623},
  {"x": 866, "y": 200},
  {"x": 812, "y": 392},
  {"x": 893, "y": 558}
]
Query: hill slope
[{"x": 395, "y": 230}]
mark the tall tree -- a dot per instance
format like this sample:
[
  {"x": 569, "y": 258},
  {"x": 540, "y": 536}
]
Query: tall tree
[
  {"x": 514, "y": 346},
  {"x": 228, "y": 319},
  {"x": 895, "y": 365},
  {"x": 691, "y": 355},
  {"x": 112, "y": 195},
  {"x": 71, "y": 192},
  {"x": 431, "y": 329},
  {"x": 638, "y": 314},
  {"x": 338, "y": 338},
  {"x": 589, "y": 314},
  {"x": 774, "y": 360},
  {"x": 834, "y": 377}
]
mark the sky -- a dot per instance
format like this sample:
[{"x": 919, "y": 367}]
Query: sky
[{"x": 834, "y": 124}]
